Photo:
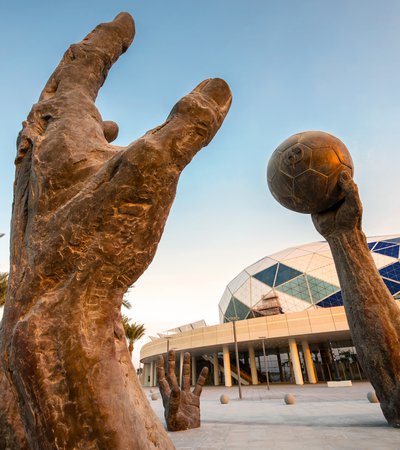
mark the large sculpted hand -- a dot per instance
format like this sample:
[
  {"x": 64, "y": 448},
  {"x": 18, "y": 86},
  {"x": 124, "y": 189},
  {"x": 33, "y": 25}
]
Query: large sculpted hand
[
  {"x": 181, "y": 406},
  {"x": 87, "y": 219},
  {"x": 343, "y": 217},
  {"x": 372, "y": 313}
]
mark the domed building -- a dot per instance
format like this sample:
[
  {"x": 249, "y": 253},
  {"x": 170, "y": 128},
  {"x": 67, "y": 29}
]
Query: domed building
[
  {"x": 284, "y": 314},
  {"x": 300, "y": 278}
]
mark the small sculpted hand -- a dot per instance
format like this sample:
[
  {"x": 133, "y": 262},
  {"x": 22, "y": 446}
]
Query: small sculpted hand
[
  {"x": 181, "y": 406},
  {"x": 343, "y": 217}
]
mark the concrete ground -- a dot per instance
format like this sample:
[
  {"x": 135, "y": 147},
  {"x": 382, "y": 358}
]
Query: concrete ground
[{"x": 322, "y": 418}]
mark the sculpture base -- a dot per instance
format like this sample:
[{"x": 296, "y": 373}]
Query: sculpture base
[{"x": 345, "y": 383}]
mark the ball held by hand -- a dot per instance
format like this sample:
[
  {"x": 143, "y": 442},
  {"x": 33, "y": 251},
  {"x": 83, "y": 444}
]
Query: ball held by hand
[{"x": 304, "y": 170}]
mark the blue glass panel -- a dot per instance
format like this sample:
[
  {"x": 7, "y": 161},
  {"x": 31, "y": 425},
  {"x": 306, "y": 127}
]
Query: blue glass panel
[
  {"x": 320, "y": 289},
  {"x": 371, "y": 244},
  {"x": 395, "y": 240},
  {"x": 333, "y": 300},
  {"x": 267, "y": 276},
  {"x": 241, "y": 309},
  {"x": 382, "y": 244},
  {"x": 392, "y": 286},
  {"x": 389, "y": 251},
  {"x": 297, "y": 288},
  {"x": 230, "y": 310},
  {"x": 285, "y": 273},
  {"x": 392, "y": 271}
]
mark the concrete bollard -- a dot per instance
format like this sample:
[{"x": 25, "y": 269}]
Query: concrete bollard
[
  {"x": 372, "y": 398},
  {"x": 152, "y": 390},
  {"x": 154, "y": 396},
  {"x": 224, "y": 399},
  {"x": 290, "y": 399}
]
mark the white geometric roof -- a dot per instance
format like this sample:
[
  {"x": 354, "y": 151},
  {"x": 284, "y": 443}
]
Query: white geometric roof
[{"x": 302, "y": 277}]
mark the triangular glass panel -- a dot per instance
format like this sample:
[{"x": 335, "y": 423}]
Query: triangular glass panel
[
  {"x": 331, "y": 301},
  {"x": 260, "y": 265},
  {"x": 316, "y": 247},
  {"x": 282, "y": 254},
  {"x": 243, "y": 294},
  {"x": 285, "y": 273},
  {"x": 241, "y": 310},
  {"x": 230, "y": 313},
  {"x": 267, "y": 276},
  {"x": 297, "y": 288},
  {"x": 395, "y": 240},
  {"x": 393, "y": 287},
  {"x": 225, "y": 299},
  {"x": 238, "y": 281},
  {"x": 258, "y": 291},
  {"x": 382, "y": 244},
  {"x": 290, "y": 303},
  {"x": 297, "y": 253},
  {"x": 392, "y": 271},
  {"x": 389, "y": 251},
  {"x": 320, "y": 289}
]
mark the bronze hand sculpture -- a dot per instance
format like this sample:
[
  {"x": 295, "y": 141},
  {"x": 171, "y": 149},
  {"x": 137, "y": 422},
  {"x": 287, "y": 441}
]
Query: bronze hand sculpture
[
  {"x": 372, "y": 313},
  {"x": 181, "y": 406},
  {"x": 87, "y": 219}
]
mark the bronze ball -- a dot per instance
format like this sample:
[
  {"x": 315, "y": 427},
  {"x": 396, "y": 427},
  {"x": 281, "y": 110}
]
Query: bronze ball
[{"x": 303, "y": 171}]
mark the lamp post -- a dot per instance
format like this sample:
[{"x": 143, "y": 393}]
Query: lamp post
[
  {"x": 335, "y": 366},
  {"x": 233, "y": 320},
  {"x": 265, "y": 360}
]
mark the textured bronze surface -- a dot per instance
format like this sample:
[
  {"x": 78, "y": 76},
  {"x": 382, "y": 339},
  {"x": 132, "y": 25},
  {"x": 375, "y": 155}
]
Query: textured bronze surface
[
  {"x": 303, "y": 171},
  {"x": 87, "y": 219},
  {"x": 181, "y": 406},
  {"x": 372, "y": 313}
]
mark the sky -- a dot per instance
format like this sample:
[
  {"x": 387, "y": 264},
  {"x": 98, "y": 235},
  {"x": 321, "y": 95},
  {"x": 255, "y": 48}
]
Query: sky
[{"x": 291, "y": 65}]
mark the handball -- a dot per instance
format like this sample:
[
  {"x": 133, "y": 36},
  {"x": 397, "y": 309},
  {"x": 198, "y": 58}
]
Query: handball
[{"x": 303, "y": 172}]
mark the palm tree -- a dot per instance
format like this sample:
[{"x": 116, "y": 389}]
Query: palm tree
[
  {"x": 126, "y": 303},
  {"x": 133, "y": 332},
  {"x": 3, "y": 287}
]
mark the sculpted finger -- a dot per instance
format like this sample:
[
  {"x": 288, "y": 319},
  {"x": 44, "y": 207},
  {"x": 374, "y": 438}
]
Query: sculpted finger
[
  {"x": 162, "y": 382},
  {"x": 85, "y": 65},
  {"x": 205, "y": 107},
  {"x": 173, "y": 382},
  {"x": 200, "y": 382},
  {"x": 186, "y": 372},
  {"x": 346, "y": 182},
  {"x": 191, "y": 125},
  {"x": 174, "y": 401},
  {"x": 350, "y": 189}
]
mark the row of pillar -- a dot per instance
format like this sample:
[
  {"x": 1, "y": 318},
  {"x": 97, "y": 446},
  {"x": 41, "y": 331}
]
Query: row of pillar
[{"x": 150, "y": 373}]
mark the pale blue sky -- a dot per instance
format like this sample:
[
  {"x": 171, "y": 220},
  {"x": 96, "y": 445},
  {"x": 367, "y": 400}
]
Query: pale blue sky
[{"x": 292, "y": 66}]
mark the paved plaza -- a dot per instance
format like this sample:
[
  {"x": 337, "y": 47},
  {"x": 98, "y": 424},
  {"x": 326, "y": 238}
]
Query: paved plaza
[{"x": 322, "y": 418}]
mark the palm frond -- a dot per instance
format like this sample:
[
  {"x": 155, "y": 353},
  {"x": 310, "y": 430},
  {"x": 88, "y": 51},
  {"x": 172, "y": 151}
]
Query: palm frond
[
  {"x": 133, "y": 331},
  {"x": 126, "y": 303}
]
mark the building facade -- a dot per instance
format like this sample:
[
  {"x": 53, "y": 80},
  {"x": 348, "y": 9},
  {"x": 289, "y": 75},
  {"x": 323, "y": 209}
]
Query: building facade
[{"x": 285, "y": 314}]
